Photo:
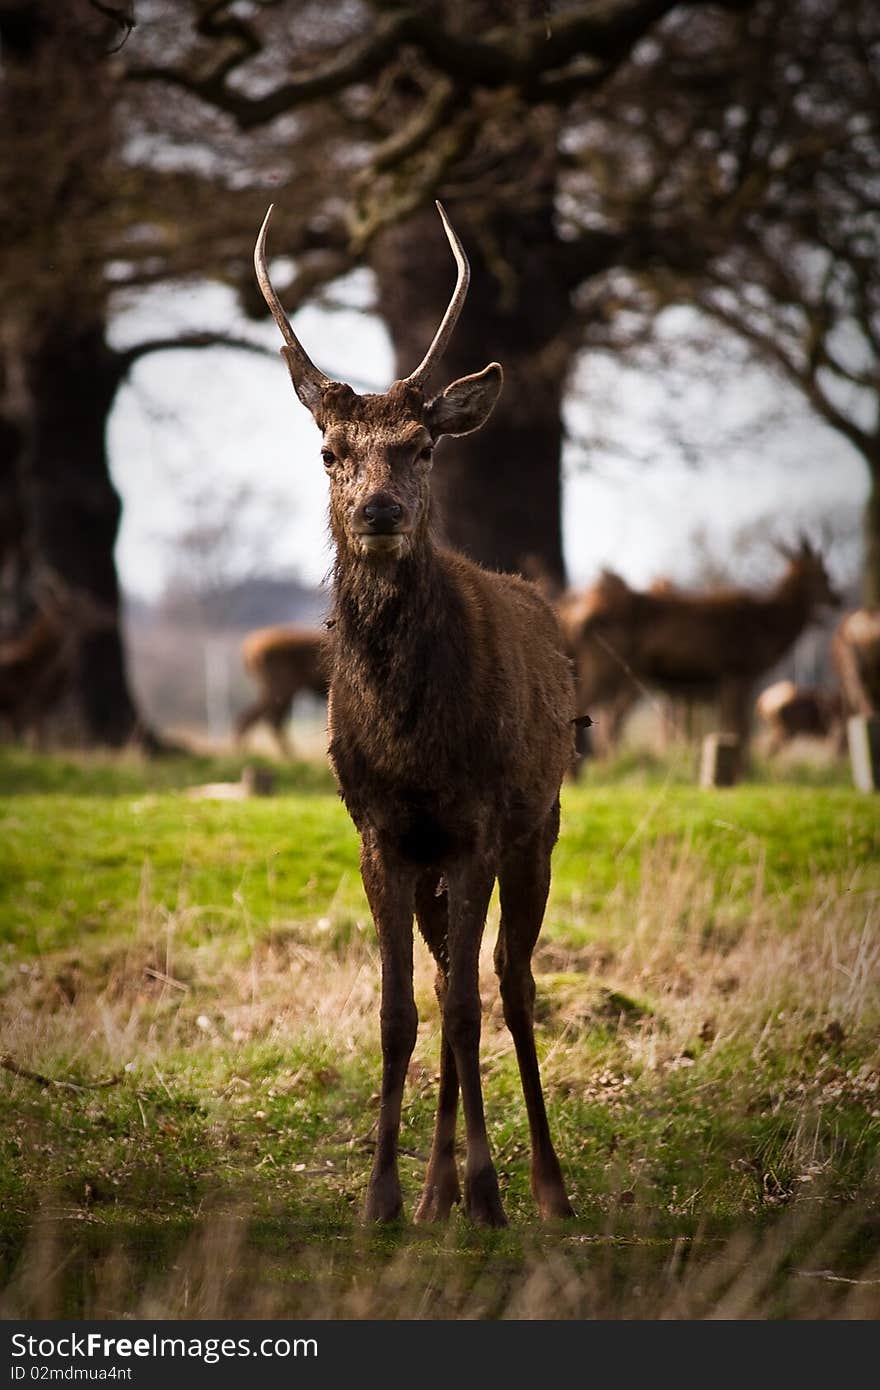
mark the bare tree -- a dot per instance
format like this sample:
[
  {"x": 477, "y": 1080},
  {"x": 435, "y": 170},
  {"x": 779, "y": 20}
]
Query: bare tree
[
  {"x": 79, "y": 228},
  {"x": 403, "y": 103},
  {"x": 600, "y": 160},
  {"x": 766, "y": 162}
]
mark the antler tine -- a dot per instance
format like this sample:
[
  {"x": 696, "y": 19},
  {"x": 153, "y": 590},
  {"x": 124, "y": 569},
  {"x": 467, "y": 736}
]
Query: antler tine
[
  {"x": 450, "y": 318},
  {"x": 277, "y": 309}
]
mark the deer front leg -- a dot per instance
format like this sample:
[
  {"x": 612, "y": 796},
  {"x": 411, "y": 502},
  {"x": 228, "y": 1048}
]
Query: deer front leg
[
  {"x": 390, "y": 887},
  {"x": 441, "y": 1190},
  {"x": 470, "y": 888}
]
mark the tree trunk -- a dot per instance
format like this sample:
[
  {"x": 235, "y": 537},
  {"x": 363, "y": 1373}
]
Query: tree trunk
[
  {"x": 871, "y": 523},
  {"x": 499, "y": 490},
  {"x": 74, "y": 510},
  {"x": 13, "y": 528},
  {"x": 58, "y": 98}
]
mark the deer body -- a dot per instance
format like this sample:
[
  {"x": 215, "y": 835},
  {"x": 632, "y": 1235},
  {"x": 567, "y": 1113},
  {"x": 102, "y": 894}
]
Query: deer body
[
  {"x": 855, "y": 650},
  {"x": 283, "y": 661},
  {"x": 427, "y": 682},
  {"x": 38, "y": 665},
  {"x": 35, "y": 668},
  {"x": 790, "y": 710},
  {"x": 698, "y": 646},
  {"x": 450, "y": 709}
]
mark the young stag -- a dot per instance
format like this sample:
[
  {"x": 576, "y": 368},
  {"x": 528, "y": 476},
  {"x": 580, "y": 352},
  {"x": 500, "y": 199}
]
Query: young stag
[
  {"x": 283, "y": 661},
  {"x": 450, "y": 721}
]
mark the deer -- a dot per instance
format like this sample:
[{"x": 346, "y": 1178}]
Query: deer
[
  {"x": 38, "y": 663},
  {"x": 698, "y": 646},
  {"x": 283, "y": 661},
  {"x": 855, "y": 653},
  {"x": 789, "y": 710},
  {"x": 600, "y": 678},
  {"x": 450, "y": 721}
]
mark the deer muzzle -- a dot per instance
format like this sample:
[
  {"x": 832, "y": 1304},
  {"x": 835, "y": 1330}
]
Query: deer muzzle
[{"x": 381, "y": 525}]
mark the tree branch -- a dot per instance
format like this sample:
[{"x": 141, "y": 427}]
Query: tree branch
[{"x": 127, "y": 357}]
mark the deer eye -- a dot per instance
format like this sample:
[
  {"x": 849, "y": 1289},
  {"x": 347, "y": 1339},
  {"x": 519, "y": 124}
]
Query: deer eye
[{"x": 329, "y": 457}]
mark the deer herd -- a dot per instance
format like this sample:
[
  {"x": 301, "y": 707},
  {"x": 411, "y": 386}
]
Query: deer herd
[
  {"x": 456, "y": 697},
  {"x": 676, "y": 649}
]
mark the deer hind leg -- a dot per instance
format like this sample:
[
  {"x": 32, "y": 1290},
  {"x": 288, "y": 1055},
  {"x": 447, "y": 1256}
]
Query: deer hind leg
[
  {"x": 524, "y": 881},
  {"x": 442, "y": 1189},
  {"x": 248, "y": 717},
  {"x": 278, "y": 715},
  {"x": 470, "y": 888},
  {"x": 389, "y": 887},
  {"x": 734, "y": 705}
]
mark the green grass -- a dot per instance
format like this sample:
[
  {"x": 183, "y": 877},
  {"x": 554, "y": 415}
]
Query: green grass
[{"x": 707, "y": 1019}]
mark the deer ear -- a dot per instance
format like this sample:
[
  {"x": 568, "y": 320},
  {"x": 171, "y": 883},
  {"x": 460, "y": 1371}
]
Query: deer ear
[
  {"x": 303, "y": 378},
  {"x": 466, "y": 404}
]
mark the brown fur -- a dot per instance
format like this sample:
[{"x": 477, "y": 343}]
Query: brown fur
[
  {"x": 451, "y": 701},
  {"x": 37, "y": 664},
  {"x": 855, "y": 651},
  {"x": 603, "y": 689},
  {"x": 284, "y": 662},
  {"x": 35, "y": 669},
  {"x": 694, "y": 646},
  {"x": 450, "y": 713},
  {"x": 790, "y": 711}
]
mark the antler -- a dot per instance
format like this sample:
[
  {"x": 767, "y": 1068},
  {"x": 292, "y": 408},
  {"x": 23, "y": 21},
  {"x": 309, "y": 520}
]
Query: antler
[
  {"x": 307, "y": 366},
  {"x": 308, "y": 370},
  {"x": 450, "y": 318}
]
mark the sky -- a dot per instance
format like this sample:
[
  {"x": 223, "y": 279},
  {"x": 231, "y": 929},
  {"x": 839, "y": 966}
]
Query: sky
[{"x": 219, "y": 437}]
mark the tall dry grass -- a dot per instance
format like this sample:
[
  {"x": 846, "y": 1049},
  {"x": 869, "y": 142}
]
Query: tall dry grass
[{"x": 674, "y": 965}]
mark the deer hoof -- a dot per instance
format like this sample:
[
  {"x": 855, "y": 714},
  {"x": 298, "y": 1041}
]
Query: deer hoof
[
  {"x": 482, "y": 1200},
  {"x": 384, "y": 1202},
  {"x": 555, "y": 1206},
  {"x": 438, "y": 1199}
]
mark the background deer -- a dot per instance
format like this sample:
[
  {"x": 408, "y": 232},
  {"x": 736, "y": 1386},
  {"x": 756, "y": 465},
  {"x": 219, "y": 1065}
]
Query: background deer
[
  {"x": 284, "y": 662},
  {"x": 696, "y": 646},
  {"x": 450, "y": 719},
  {"x": 789, "y": 711},
  {"x": 855, "y": 651},
  {"x": 38, "y": 663},
  {"x": 603, "y": 685}
]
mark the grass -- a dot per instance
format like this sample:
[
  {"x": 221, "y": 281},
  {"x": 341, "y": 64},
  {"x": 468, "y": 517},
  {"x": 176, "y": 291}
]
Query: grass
[{"x": 708, "y": 1025}]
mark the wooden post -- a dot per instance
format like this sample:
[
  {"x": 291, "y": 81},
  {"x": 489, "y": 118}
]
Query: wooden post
[
  {"x": 720, "y": 761},
  {"x": 863, "y": 736}
]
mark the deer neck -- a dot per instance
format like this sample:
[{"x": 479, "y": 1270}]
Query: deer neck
[
  {"x": 792, "y": 607},
  {"x": 398, "y": 634},
  {"x": 375, "y": 601}
]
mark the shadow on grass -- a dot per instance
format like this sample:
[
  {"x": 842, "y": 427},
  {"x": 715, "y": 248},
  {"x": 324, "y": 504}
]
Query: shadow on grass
[
  {"x": 319, "y": 1262},
  {"x": 130, "y": 773}
]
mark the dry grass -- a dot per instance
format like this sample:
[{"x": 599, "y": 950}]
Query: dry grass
[
  {"x": 220, "y": 1274},
  {"x": 710, "y": 1007}
]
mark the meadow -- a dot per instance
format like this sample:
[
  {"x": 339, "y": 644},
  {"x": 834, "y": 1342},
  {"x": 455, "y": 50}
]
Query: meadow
[{"x": 190, "y": 1055}]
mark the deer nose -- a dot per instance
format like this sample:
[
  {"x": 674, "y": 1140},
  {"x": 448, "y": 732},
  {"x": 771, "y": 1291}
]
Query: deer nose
[{"x": 381, "y": 513}]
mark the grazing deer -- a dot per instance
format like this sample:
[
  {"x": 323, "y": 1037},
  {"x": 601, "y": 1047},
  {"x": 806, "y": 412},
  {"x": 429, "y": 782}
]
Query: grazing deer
[
  {"x": 789, "y": 710},
  {"x": 283, "y": 661},
  {"x": 855, "y": 652},
  {"x": 601, "y": 681},
  {"x": 35, "y": 667},
  {"x": 38, "y": 664},
  {"x": 696, "y": 646},
  {"x": 450, "y": 719}
]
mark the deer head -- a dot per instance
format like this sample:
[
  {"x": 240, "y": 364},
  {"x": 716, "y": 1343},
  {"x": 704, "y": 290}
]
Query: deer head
[
  {"x": 378, "y": 449},
  {"x": 807, "y": 569}
]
